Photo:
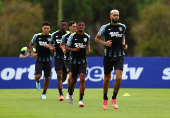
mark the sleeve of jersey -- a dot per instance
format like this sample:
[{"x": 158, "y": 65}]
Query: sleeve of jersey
[
  {"x": 124, "y": 29},
  {"x": 52, "y": 37},
  {"x": 63, "y": 39},
  {"x": 88, "y": 38},
  {"x": 69, "y": 42},
  {"x": 102, "y": 30},
  {"x": 34, "y": 38}
]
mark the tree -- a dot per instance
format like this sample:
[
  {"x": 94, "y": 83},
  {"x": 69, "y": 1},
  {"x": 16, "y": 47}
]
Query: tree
[
  {"x": 19, "y": 22},
  {"x": 152, "y": 31}
]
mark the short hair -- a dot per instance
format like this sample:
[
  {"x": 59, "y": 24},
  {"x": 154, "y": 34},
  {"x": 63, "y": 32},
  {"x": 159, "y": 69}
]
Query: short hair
[
  {"x": 63, "y": 21},
  {"x": 46, "y": 23},
  {"x": 79, "y": 22},
  {"x": 71, "y": 23},
  {"x": 114, "y": 11}
]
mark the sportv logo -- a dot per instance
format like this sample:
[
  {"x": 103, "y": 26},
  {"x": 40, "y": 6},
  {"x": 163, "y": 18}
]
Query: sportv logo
[{"x": 94, "y": 74}]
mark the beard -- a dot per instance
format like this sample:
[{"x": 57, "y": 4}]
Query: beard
[{"x": 114, "y": 21}]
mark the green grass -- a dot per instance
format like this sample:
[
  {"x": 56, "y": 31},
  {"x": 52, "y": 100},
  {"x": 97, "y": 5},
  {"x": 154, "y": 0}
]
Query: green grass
[{"x": 27, "y": 103}]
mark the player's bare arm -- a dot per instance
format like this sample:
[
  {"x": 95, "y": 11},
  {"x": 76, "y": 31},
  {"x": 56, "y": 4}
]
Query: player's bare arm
[
  {"x": 88, "y": 48},
  {"x": 125, "y": 46},
  {"x": 62, "y": 46},
  {"x": 69, "y": 49},
  {"x": 99, "y": 41},
  {"x": 35, "y": 55}
]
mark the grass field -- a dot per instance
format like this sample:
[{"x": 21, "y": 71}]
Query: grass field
[{"x": 27, "y": 103}]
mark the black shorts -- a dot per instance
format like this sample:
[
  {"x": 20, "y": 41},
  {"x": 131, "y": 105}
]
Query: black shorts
[
  {"x": 58, "y": 64},
  {"x": 66, "y": 67},
  {"x": 78, "y": 68},
  {"x": 109, "y": 62},
  {"x": 45, "y": 66}
]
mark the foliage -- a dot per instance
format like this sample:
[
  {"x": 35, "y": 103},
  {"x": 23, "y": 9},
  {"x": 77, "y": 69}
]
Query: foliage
[
  {"x": 152, "y": 31},
  {"x": 19, "y": 22}
]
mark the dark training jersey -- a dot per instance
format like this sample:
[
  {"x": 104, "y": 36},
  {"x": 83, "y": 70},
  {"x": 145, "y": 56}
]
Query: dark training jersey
[
  {"x": 44, "y": 54},
  {"x": 56, "y": 39},
  {"x": 64, "y": 41},
  {"x": 74, "y": 41},
  {"x": 114, "y": 33}
]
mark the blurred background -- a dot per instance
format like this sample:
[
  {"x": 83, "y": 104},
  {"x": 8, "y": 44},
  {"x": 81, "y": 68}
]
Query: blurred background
[{"x": 147, "y": 23}]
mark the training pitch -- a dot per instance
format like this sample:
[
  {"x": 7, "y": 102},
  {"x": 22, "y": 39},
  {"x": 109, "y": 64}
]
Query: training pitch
[{"x": 27, "y": 103}]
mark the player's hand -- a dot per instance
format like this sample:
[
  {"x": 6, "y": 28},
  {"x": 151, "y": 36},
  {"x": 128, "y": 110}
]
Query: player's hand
[
  {"x": 77, "y": 49},
  {"x": 64, "y": 51},
  {"x": 35, "y": 55},
  {"x": 108, "y": 43},
  {"x": 125, "y": 46},
  {"x": 89, "y": 51},
  {"x": 52, "y": 49}
]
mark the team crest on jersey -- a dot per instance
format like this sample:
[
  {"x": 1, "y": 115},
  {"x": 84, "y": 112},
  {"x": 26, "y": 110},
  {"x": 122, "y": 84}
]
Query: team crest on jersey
[
  {"x": 49, "y": 39},
  {"x": 85, "y": 39},
  {"x": 120, "y": 28}
]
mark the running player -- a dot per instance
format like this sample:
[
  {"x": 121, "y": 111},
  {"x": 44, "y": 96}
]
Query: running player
[
  {"x": 66, "y": 68},
  {"x": 78, "y": 43},
  {"x": 42, "y": 56},
  {"x": 114, "y": 41},
  {"x": 56, "y": 38}
]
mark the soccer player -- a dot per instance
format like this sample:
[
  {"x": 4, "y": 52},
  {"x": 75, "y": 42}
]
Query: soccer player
[
  {"x": 26, "y": 52},
  {"x": 56, "y": 38},
  {"x": 114, "y": 42},
  {"x": 78, "y": 43},
  {"x": 42, "y": 56},
  {"x": 66, "y": 67}
]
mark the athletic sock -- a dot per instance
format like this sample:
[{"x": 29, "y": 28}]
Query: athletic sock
[
  {"x": 105, "y": 96},
  {"x": 81, "y": 97},
  {"x": 68, "y": 89},
  {"x": 38, "y": 81},
  {"x": 71, "y": 92},
  {"x": 44, "y": 92},
  {"x": 114, "y": 95},
  {"x": 60, "y": 91}
]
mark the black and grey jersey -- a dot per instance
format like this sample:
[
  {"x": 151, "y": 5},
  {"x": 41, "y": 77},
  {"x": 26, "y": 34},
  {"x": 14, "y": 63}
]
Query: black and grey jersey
[
  {"x": 44, "y": 54},
  {"x": 56, "y": 38},
  {"x": 64, "y": 41},
  {"x": 114, "y": 33},
  {"x": 74, "y": 41}
]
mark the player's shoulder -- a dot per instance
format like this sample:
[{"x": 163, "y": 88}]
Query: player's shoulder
[
  {"x": 122, "y": 25},
  {"x": 86, "y": 34},
  {"x": 105, "y": 25}
]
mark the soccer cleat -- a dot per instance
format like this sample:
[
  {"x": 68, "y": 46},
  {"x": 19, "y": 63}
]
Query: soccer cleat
[
  {"x": 38, "y": 86},
  {"x": 71, "y": 99},
  {"x": 105, "y": 104},
  {"x": 43, "y": 96},
  {"x": 61, "y": 98},
  {"x": 113, "y": 101},
  {"x": 81, "y": 104},
  {"x": 67, "y": 97}
]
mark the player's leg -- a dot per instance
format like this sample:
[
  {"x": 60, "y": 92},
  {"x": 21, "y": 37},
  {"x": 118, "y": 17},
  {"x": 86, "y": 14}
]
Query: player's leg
[
  {"x": 38, "y": 74},
  {"x": 118, "y": 66},
  {"x": 47, "y": 74},
  {"x": 108, "y": 67},
  {"x": 58, "y": 63}
]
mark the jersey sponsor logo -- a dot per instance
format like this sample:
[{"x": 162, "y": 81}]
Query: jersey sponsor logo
[
  {"x": 42, "y": 43},
  {"x": 58, "y": 41},
  {"x": 48, "y": 38},
  {"x": 80, "y": 45},
  {"x": 120, "y": 28},
  {"x": 85, "y": 39},
  {"x": 116, "y": 34}
]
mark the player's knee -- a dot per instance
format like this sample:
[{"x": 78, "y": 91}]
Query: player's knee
[
  {"x": 37, "y": 77},
  {"x": 82, "y": 81}
]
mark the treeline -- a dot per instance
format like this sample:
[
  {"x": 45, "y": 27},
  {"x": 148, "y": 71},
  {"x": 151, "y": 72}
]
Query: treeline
[{"x": 147, "y": 22}]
